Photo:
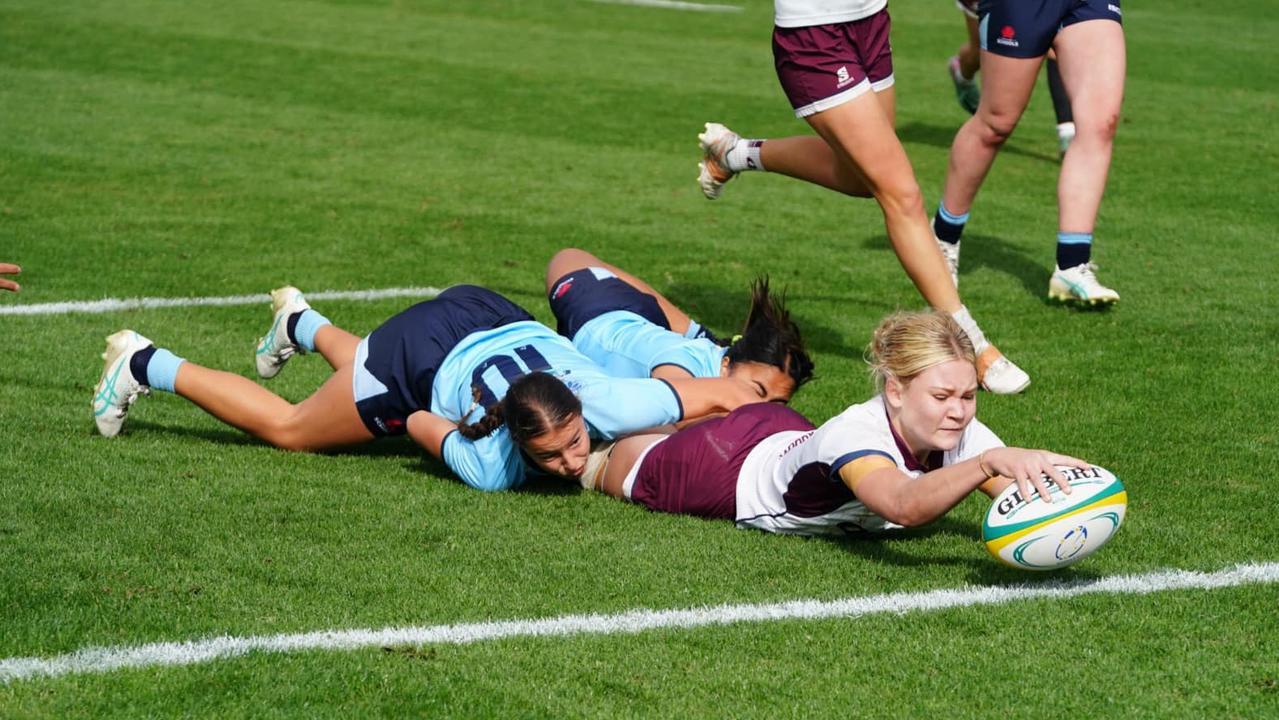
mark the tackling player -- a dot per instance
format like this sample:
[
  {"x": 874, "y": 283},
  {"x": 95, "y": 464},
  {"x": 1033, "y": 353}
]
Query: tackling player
[
  {"x": 903, "y": 458},
  {"x": 631, "y": 330},
  {"x": 835, "y": 64},
  {"x": 468, "y": 355}
]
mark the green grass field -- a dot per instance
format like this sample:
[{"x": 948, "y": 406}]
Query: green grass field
[{"x": 167, "y": 149}]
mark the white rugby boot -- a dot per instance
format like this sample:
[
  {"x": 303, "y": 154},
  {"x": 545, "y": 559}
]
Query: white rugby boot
[
  {"x": 714, "y": 173},
  {"x": 117, "y": 388},
  {"x": 998, "y": 374},
  {"x": 275, "y": 348},
  {"x": 1078, "y": 286},
  {"x": 950, "y": 251}
]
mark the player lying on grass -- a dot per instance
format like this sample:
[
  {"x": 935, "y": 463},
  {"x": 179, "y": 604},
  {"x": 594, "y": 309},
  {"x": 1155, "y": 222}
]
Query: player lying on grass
[
  {"x": 903, "y": 458},
  {"x": 835, "y": 63},
  {"x": 631, "y": 330},
  {"x": 468, "y": 355}
]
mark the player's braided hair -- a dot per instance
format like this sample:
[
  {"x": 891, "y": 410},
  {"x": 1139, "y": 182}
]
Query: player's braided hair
[
  {"x": 907, "y": 343},
  {"x": 534, "y": 405},
  {"x": 771, "y": 337}
]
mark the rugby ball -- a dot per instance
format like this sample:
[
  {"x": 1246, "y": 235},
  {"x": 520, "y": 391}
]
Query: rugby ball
[{"x": 1032, "y": 534}]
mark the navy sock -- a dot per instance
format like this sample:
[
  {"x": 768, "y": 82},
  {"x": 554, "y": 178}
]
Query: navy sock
[
  {"x": 138, "y": 363},
  {"x": 948, "y": 227},
  {"x": 1061, "y": 102},
  {"x": 292, "y": 326},
  {"x": 1073, "y": 249}
]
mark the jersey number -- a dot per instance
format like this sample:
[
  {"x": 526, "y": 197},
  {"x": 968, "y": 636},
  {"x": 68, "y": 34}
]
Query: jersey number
[{"x": 511, "y": 371}]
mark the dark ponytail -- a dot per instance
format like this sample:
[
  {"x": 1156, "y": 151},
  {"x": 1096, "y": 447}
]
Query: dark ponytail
[
  {"x": 771, "y": 337},
  {"x": 534, "y": 405}
]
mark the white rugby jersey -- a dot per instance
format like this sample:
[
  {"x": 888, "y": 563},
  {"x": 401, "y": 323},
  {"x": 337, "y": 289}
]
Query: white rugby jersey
[
  {"x": 790, "y": 482},
  {"x": 806, "y": 13}
]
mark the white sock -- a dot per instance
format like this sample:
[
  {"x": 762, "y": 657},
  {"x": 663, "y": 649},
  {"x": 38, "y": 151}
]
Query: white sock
[
  {"x": 966, "y": 321},
  {"x": 1066, "y": 131},
  {"x": 745, "y": 156}
]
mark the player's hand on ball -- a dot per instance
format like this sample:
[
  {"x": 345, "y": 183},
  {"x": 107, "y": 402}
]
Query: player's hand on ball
[{"x": 1028, "y": 467}]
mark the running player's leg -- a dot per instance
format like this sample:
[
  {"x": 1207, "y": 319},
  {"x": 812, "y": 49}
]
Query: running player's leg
[
  {"x": 860, "y": 132},
  {"x": 803, "y": 157},
  {"x": 963, "y": 66},
  {"x": 1092, "y": 60},
  {"x": 1007, "y": 84},
  {"x": 1061, "y": 104}
]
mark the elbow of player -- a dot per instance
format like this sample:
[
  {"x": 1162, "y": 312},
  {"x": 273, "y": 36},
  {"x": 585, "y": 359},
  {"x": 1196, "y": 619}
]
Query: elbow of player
[{"x": 909, "y": 513}]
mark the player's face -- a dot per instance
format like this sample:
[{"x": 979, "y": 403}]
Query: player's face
[
  {"x": 937, "y": 405},
  {"x": 773, "y": 384},
  {"x": 563, "y": 450}
]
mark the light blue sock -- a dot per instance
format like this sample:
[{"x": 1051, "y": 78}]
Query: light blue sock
[
  {"x": 309, "y": 323},
  {"x": 162, "y": 370}
]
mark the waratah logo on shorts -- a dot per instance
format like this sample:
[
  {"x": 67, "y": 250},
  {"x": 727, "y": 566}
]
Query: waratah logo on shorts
[
  {"x": 1008, "y": 36},
  {"x": 563, "y": 288}
]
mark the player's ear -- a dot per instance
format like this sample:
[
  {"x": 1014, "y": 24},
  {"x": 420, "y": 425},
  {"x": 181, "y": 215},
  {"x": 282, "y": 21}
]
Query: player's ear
[
  {"x": 723, "y": 366},
  {"x": 893, "y": 391}
]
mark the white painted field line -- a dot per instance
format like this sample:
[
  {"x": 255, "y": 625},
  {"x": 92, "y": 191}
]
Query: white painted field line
[
  {"x": 674, "y": 5},
  {"x": 146, "y": 303},
  {"x": 104, "y": 659}
]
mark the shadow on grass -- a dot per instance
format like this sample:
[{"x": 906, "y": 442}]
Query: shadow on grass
[
  {"x": 941, "y": 136},
  {"x": 996, "y": 254},
  {"x": 983, "y": 571}
]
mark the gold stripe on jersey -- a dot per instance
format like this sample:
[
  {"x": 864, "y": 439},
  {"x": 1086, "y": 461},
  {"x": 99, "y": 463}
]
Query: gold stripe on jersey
[{"x": 855, "y": 471}]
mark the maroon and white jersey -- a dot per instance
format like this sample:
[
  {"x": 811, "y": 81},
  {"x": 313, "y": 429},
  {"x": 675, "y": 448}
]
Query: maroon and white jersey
[
  {"x": 790, "y": 482},
  {"x": 807, "y": 13}
]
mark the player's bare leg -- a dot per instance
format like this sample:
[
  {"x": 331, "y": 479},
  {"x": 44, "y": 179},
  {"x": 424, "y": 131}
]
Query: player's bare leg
[
  {"x": 1008, "y": 83},
  {"x": 327, "y": 419},
  {"x": 1092, "y": 60},
  {"x": 572, "y": 259},
  {"x": 336, "y": 346},
  {"x": 860, "y": 133}
]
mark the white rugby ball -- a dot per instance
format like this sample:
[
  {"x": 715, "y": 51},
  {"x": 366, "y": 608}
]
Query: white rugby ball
[{"x": 1036, "y": 535}]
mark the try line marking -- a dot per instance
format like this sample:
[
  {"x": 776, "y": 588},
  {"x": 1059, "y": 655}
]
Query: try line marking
[
  {"x": 147, "y": 303},
  {"x": 105, "y": 659},
  {"x": 674, "y": 5}
]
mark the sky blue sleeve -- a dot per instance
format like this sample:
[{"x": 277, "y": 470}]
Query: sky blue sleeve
[
  {"x": 617, "y": 406},
  {"x": 489, "y": 464}
]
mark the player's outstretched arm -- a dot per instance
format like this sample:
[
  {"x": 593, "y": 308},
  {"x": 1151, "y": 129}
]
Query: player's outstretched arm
[
  {"x": 5, "y": 283},
  {"x": 899, "y": 498},
  {"x": 707, "y": 396}
]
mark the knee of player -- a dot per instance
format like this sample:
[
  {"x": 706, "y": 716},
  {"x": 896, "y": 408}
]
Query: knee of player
[
  {"x": 996, "y": 129},
  {"x": 902, "y": 197},
  {"x": 286, "y": 434},
  {"x": 1103, "y": 127}
]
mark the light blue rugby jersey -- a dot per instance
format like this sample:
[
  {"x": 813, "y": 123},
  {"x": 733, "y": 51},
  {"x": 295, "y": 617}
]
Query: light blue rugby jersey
[
  {"x": 626, "y": 345},
  {"x": 494, "y": 358}
]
